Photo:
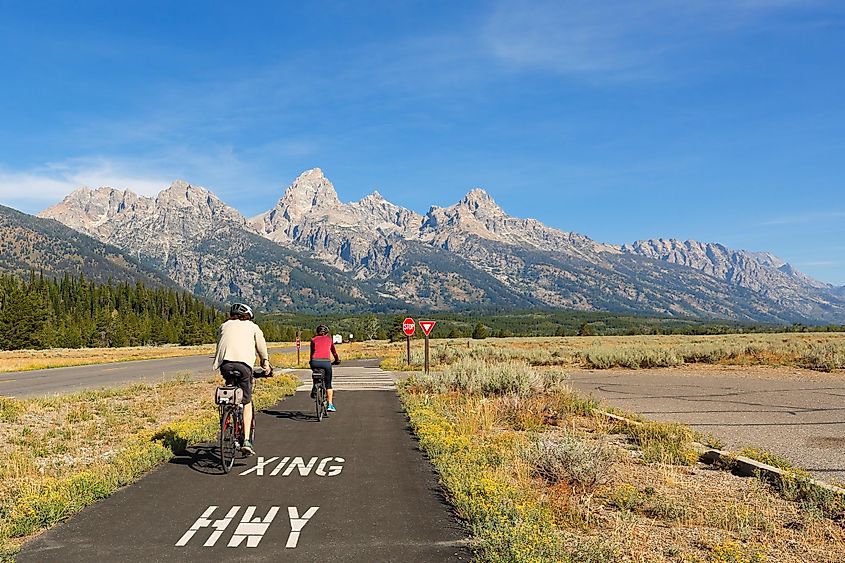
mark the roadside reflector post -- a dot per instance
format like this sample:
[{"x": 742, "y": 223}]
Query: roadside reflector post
[
  {"x": 426, "y": 327},
  {"x": 408, "y": 327},
  {"x": 298, "y": 346}
]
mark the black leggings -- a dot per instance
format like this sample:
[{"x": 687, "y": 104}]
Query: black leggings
[
  {"x": 238, "y": 374},
  {"x": 326, "y": 366}
]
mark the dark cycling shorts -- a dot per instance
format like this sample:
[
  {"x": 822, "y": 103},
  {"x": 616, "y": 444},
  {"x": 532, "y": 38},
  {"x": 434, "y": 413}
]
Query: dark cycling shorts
[
  {"x": 238, "y": 374},
  {"x": 326, "y": 366}
]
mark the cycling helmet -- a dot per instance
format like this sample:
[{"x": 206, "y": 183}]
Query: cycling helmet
[
  {"x": 239, "y": 309},
  {"x": 322, "y": 329}
]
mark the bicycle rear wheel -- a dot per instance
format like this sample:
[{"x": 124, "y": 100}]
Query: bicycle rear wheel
[
  {"x": 320, "y": 402},
  {"x": 226, "y": 439}
]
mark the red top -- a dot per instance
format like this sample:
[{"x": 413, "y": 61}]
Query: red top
[{"x": 322, "y": 348}]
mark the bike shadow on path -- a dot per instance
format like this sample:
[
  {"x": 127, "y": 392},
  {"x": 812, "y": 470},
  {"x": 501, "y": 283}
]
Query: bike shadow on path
[
  {"x": 201, "y": 458},
  {"x": 298, "y": 416}
]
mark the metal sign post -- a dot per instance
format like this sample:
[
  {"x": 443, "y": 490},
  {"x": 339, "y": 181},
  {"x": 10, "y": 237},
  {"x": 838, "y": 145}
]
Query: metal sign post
[
  {"x": 426, "y": 327},
  {"x": 408, "y": 327},
  {"x": 298, "y": 346}
]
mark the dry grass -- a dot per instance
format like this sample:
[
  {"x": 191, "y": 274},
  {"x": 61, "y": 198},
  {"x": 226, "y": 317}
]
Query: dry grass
[
  {"x": 539, "y": 477},
  {"x": 816, "y": 351}
]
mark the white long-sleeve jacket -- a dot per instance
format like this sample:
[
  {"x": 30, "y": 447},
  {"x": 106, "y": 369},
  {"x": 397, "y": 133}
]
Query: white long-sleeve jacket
[{"x": 240, "y": 341}]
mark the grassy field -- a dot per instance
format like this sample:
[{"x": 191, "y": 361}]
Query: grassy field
[
  {"x": 63, "y": 453},
  {"x": 538, "y": 475},
  {"x": 815, "y": 351},
  {"x": 25, "y": 360}
]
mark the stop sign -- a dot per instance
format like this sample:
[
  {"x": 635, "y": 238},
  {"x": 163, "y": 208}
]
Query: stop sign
[{"x": 409, "y": 326}]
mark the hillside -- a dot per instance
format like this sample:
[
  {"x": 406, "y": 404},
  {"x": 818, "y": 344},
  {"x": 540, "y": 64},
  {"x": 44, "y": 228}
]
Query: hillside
[{"x": 30, "y": 243}]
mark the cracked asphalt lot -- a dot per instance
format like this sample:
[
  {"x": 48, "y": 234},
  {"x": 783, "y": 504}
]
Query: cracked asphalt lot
[{"x": 796, "y": 414}]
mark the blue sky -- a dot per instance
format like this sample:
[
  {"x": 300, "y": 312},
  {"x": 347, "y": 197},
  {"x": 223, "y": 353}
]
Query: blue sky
[{"x": 710, "y": 120}]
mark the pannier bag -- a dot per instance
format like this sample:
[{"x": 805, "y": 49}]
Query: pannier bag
[
  {"x": 317, "y": 375},
  {"x": 229, "y": 395}
]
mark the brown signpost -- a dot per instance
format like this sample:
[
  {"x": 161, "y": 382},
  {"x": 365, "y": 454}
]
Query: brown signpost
[
  {"x": 426, "y": 327},
  {"x": 408, "y": 327},
  {"x": 298, "y": 346}
]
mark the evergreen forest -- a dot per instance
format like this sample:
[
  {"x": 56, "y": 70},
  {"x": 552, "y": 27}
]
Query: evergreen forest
[{"x": 73, "y": 312}]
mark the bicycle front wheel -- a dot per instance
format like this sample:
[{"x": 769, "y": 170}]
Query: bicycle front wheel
[{"x": 227, "y": 440}]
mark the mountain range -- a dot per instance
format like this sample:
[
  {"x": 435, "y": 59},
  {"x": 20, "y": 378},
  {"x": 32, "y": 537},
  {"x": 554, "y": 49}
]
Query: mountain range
[{"x": 311, "y": 251}]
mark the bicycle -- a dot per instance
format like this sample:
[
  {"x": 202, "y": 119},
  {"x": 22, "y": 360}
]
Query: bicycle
[
  {"x": 231, "y": 410},
  {"x": 321, "y": 402}
]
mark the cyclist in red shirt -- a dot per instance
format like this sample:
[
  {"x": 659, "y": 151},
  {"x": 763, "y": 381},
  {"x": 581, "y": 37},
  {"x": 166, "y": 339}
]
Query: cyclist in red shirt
[{"x": 322, "y": 351}]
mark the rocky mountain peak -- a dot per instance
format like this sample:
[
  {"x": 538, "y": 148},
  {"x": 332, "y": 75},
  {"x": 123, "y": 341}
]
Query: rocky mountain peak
[
  {"x": 183, "y": 193},
  {"x": 479, "y": 201},
  {"x": 310, "y": 189},
  {"x": 374, "y": 197},
  {"x": 85, "y": 209},
  {"x": 197, "y": 202}
]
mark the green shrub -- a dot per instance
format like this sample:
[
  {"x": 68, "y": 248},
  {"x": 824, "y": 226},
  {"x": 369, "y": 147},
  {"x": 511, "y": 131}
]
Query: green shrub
[
  {"x": 826, "y": 357},
  {"x": 10, "y": 409},
  {"x": 584, "y": 465},
  {"x": 629, "y": 357},
  {"x": 485, "y": 377},
  {"x": 812, "y": 498},
  {"x": 664, "y": 442}
]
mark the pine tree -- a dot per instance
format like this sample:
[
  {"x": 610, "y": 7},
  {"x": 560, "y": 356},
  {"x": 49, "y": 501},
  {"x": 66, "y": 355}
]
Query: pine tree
[{"x": 480, "y": 332}]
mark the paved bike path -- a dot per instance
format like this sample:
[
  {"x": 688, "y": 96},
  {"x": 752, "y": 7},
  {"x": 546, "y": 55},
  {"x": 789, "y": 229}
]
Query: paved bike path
[{"x": 367, "y": 494}]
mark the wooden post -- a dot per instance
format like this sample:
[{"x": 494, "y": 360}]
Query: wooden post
[
  {"x": 426, "y": 353},
  {"x": 408, "y": 342},
  {"x": 298, "y": 345}
]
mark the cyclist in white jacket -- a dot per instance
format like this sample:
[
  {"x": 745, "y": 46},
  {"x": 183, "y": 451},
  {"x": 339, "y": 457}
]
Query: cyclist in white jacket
[{"x": 239, "y": 340}]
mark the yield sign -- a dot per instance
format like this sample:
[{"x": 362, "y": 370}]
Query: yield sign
[{"x": 426, "y": 326}]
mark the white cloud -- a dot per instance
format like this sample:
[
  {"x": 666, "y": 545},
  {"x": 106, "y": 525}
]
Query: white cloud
[
  {"x": 616, "y": 38},
  {"x": 817, "y": 217},
  {"x": 34, "y": 189}
]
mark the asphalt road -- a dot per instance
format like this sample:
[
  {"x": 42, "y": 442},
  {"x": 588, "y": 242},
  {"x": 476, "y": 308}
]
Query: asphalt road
[
  {"x": 354, "y": 487},
  {"x": 801, "y": 418},
  {"x": 51, "y": 381}
]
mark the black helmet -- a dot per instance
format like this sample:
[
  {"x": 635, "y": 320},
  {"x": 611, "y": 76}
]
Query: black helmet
[
  {"x": 322, "y": 329},
  {"x": 239, "y": 309}
]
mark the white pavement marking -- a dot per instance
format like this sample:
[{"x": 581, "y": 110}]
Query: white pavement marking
[
  {"x": 356, "y": 379},
  {"x": 252, "y": 529},
  {"x": 297, "y": 523}
]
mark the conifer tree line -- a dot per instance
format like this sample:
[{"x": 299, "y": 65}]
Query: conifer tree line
[{"x": 72, "y": 312}]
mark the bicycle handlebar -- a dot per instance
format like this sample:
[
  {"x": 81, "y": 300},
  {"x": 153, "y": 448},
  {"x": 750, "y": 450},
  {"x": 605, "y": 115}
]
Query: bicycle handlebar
[{"x": 259, "y": 372}]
